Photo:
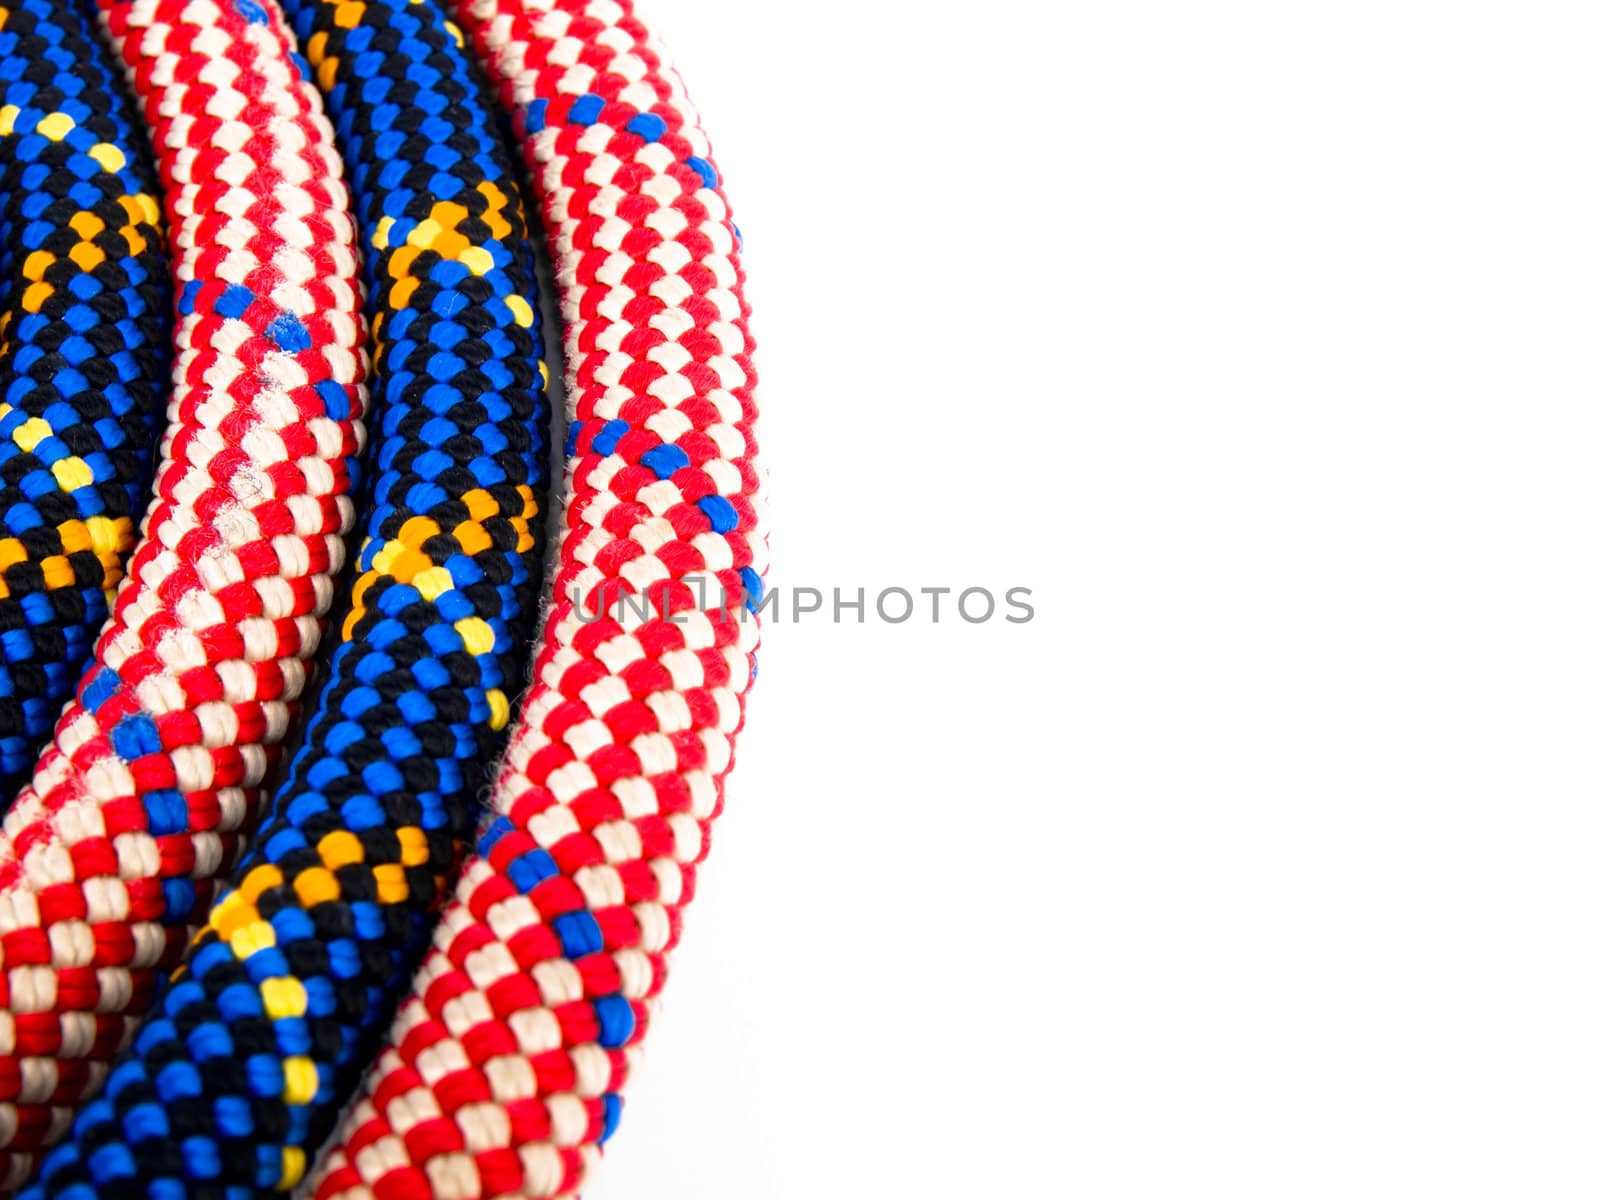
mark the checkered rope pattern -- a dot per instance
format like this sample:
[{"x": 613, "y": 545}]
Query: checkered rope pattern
[
  {"x": 504, "y": 1066},
  {"x": 84, "y": 330},
  {"x": 240, "y": 1070},
  {"x": 107, "y": 859}
]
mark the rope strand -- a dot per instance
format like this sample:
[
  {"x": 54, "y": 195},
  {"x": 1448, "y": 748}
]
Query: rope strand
[
  {"x": 84, "y": 357},
  {"x": 504, "y": 1067},
  {"x": 239, "y": 1072},
  {"x": 109, "y": 856}
]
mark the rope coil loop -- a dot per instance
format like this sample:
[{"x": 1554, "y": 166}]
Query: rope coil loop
[
  {"x": 239, "y": 1072},
  {"x": 84, "y": 328},
  {"x": 108, "y": 857},
  {"x": 504, "y": 1067}
]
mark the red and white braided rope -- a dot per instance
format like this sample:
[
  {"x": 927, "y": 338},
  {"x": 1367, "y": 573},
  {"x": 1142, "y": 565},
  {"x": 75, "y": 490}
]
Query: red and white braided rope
[
  {"x": 201, "y": 664},
  {"x": 502, "y": 1069}
]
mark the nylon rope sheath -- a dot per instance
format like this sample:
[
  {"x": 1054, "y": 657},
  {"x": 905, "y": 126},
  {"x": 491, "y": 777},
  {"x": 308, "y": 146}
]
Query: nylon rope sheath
[
  {"x": 84, "y": 351},
  {"x": 107, "y": 857},
  {"x": 238, "y": 1073},
  {"x": 504, "y": 1067}
]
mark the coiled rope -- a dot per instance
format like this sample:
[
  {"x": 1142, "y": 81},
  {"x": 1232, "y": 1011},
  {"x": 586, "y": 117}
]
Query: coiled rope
[
  {"x": 84, "y": 330},
  {"x": 240, "y": 1070},
  {"x": 106, "y": 858},
  {"x": 504, "y": 1067}
]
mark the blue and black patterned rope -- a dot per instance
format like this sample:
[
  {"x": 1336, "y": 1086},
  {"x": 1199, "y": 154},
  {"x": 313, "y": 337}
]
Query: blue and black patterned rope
[
  {"x": 238, "y": 1074},
  {"x": 84, "y": 332}
]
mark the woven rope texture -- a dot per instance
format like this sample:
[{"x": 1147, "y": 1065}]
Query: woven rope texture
[
  {"x": 239, "y": 1073},
  {"x": 84, "y": 331},
  {"x": 107, "y": 859},
  {"x": 504, "y": 1067}
]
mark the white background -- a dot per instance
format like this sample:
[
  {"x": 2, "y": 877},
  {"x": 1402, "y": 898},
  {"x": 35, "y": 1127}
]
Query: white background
[{"x": 1262, "y": 341}]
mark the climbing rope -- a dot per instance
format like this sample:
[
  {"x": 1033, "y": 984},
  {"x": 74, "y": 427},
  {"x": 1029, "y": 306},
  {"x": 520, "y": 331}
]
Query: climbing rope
[{"x": 107, "y": 857}]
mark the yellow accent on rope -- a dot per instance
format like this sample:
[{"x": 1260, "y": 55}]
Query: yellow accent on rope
[
  {"x": 499, "y": 709},
  {"x": 475, "y": 634},
  {"x": 433, "y": 583},
  {"x": 31, "y": 432},
  {"x": 72, "y": 473},
  {"x": 476, "y": 259},
  {"x": 294, "y": 1168},
  {"x": 108, "y": 156},
  {"x": 55, "y": 126},
  {"x": 283, "y": 996},
  {"x": 299, "y": 1079},
  {"x": 258, "y": 935}
]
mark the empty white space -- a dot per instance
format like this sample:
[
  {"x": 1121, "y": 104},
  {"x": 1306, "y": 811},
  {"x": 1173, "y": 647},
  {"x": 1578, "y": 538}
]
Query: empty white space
[{"x": 1261, "y": 341}]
